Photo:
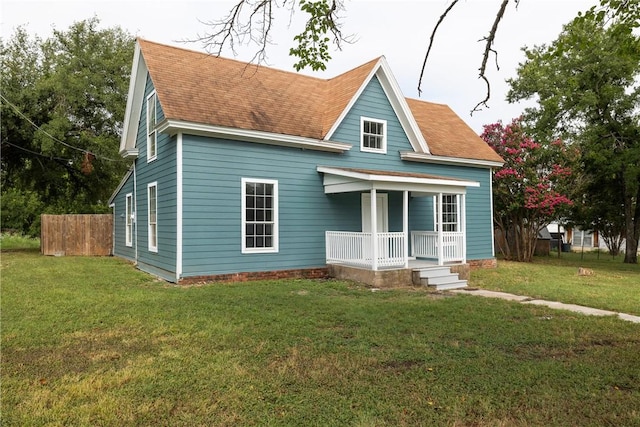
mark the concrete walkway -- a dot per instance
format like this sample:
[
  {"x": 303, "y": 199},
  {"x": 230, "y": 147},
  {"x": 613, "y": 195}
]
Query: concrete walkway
[{"x": 551, "y": 304}]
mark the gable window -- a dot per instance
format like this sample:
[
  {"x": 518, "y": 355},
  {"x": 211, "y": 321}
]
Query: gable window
[
  {"x": 152, "y": 204},
  {"x": 450, "y": 213},
  {"x": 128, "y": 220},
  {"x": 373, "y": 135},
  {"x": 259, "y": 215},
  {"x": 152, "y": 134}
]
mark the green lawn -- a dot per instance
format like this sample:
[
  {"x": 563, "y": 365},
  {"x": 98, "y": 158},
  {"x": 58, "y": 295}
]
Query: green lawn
[
  {"x": 92, "y": 341},
  {"x": 613, "y": 285}
]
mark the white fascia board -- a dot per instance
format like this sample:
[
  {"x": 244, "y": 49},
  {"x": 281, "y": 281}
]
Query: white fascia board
[
  {"x": 120, "y": 185},
  {"x": 137, "y": 83},
  {"x": 401, "y": 108},
  {"x": 347, "y": 187},
  {"x": 397, "y": 100},
  {"x": 417, "y": 189},
  {"x": 175, "y": 126},
  {"x": 429, "y": 158},
  {"x": 378, "y": 179}
]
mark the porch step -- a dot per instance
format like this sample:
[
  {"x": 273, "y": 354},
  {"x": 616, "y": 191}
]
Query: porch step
[{"x": 440, "y": 278}]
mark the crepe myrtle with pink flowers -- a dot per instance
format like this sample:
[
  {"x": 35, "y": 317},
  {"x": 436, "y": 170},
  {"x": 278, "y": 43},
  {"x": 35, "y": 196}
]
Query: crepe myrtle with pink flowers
[{"x": 530, "y": 190}]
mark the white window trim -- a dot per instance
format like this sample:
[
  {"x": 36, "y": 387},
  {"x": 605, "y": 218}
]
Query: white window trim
[
  {"x": 153, "y": 131},
  {"x": 458, "y": 201},
  {"x": 383, "y": 149},
  {"x": 128, "y": 220},
  {"x": 152, "y": 248},
  {"x": 276, "y": 227}
]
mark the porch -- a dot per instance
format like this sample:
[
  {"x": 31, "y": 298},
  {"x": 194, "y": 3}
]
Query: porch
[
  {"x": 438, "y": 203},
  {"x": 427, "y": 246}
]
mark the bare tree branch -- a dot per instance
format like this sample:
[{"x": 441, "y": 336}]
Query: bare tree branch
[
  {"x": 489, "y": 39},
  {"x": 433, "y": 34},
  {"x": 487, "y": 51},
  {"x": 239, "y": 27}
]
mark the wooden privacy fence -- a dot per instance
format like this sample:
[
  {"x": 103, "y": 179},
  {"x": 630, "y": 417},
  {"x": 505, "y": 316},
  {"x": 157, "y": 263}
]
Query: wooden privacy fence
[{"x": 76, "y": 234}]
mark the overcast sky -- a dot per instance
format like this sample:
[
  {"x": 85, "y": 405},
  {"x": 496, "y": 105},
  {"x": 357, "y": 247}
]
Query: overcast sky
[{"x": 397, "y": 29}]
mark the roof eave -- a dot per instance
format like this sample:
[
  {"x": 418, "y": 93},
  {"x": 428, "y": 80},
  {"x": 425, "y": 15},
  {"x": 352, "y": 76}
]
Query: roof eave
[
  {"x": 130, "y": 154},
  {"x": 135, "y": 97},
  {"x": 173, "y": 127},
  {"x": 348, "y": 177},
  {"x": 430, "y": 158},
  {"x": 401, "y": 107}
]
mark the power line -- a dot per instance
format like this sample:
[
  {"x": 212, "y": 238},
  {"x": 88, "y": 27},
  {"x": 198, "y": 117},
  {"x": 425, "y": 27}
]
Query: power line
[
  {"x": 21, "y": 114},
  {"x": 36, "y": 153}
]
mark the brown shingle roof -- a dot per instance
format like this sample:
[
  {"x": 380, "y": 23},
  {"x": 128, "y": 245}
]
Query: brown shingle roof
[
  {"x": 200, "y": 88},
  {"x": 447, "y": 134},
  {"x": 341, "y": 89}
]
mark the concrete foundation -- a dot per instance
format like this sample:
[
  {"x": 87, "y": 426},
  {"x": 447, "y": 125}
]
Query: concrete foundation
[
  {"x": 391, "y": 278},
  {"x": 463, "y": 270},
  {"x": 376, "y": 279}
]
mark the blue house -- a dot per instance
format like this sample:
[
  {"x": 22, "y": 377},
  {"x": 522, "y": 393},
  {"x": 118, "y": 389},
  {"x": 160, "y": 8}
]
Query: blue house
[{"x": 242, "y": 171}]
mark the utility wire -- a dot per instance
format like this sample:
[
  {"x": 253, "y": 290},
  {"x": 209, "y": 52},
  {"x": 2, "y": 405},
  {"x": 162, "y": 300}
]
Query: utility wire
[
  {"x": 17, "y": 110},
  {"x": 36, "y": 153}
]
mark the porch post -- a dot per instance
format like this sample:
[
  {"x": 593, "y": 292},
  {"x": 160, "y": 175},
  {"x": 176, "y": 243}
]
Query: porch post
[
  {"x": 374, "y": 229},
  {"x": 439, "y": 219},
  {"x": 463, "y": 226},
  {"x": 405, "y": 226}
]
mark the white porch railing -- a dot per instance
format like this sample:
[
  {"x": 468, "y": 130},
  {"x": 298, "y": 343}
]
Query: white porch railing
[
  {"x": 391, "y": 250},
  {"x": 424, "y": 244},
  {"x": 354, "y": 248}
]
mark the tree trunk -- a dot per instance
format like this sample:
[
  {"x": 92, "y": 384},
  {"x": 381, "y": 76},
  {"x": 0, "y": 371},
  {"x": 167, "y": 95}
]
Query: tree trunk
[
  {"x": 503, "y": 239},
  {"x": 632, "y": 227}
]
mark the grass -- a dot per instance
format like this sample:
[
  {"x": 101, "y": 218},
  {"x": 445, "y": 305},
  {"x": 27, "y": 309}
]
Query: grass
[
  {"x": 92, "y": 341},
  {"x": 612, "y": 286},
  {"x": 12, "y": 241}
]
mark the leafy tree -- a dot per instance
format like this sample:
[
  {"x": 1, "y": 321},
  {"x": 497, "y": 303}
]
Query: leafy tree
[
  {"x": 531, "y": 188},
  {"x": 63, "y": 103},
  {"x": 587, "y": 83}
]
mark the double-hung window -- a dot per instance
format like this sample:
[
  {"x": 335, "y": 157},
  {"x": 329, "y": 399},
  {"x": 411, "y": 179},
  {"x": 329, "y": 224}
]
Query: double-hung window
[
  {"x": 128, "y": 221},
  {"x": 450, "y": 212},
  {"x": 373, "y": 135},
  {"x": 152, "y": 134},
  {"x": 152, "y": 203},
  {"x": 259, "y": 215}
]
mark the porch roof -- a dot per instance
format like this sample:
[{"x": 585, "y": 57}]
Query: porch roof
[{"x": 344, "y": 180}]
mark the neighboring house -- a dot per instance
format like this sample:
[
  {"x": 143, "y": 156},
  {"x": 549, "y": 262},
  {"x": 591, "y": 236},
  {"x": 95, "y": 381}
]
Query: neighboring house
[
  {"x": 577, "y": 239},
  {"x": 242, "y": 171}
]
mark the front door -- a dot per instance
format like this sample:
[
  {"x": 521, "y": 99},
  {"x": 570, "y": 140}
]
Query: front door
[{"x": 382, "y": 212}]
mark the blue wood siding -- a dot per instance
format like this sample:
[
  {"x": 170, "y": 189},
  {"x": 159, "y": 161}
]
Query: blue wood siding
[
  {"x": 212, "y": 202},
  {"x": 373, "y": 103},
  {"x": 163, "y": 171},
  {"x": 213, "y": 170},
  {"x": 119, "y": 222},
  {"x": 211, "y": 186}
]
